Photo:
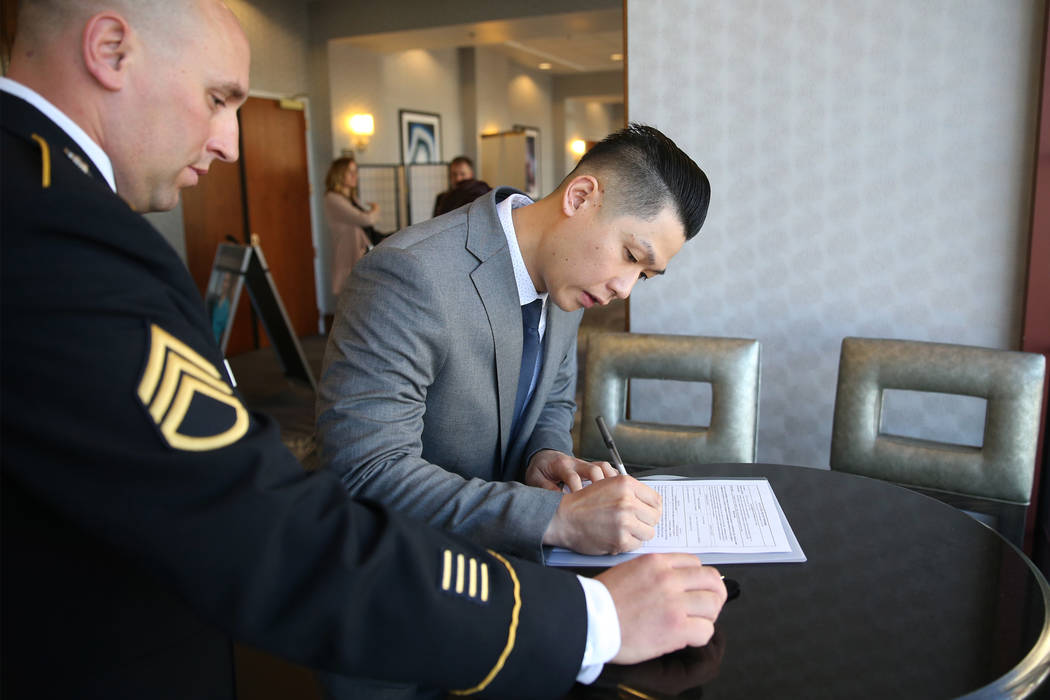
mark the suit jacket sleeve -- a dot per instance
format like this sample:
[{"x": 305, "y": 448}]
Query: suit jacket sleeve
[
  {"x": 388, "y": 346},
  {"x": 119, "y": 422}
]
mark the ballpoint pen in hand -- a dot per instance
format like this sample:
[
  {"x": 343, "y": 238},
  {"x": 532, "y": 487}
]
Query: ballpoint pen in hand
[{"x": 607, "y": 437}]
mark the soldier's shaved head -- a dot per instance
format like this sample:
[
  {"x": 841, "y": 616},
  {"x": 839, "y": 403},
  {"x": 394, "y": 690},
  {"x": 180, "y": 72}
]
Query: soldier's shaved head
[
  {"x": 39, "y": 21},
  {"x": 155, "y": 83}
]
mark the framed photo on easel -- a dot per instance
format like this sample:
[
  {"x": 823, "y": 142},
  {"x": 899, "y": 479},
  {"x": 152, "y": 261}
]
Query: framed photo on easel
[
  {"x": 224, "y": 289},
  {"x": 235, "y": 267}
]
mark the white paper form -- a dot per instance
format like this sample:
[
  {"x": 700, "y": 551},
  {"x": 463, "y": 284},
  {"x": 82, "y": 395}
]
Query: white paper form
[
  {"x": 724, "y": 521},
  {"x": 725, "y": 515}
]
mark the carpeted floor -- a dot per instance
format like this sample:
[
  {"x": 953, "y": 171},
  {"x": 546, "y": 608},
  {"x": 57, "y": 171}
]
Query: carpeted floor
[{"x": 261, "y": 381}]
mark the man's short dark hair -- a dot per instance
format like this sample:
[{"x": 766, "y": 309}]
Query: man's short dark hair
[
  {"x": 462, "y": 159},
  {"x": 643, "y": 171}
]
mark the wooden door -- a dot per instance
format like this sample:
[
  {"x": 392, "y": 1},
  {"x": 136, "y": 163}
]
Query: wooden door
[
  {"x": 266, "y": 193},
  {"x": 213, "y": 213},
  {"x": 273, "y": 151}
]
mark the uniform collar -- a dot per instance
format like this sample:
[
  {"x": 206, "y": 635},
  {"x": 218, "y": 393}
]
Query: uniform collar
[{"x": 91, "y": 149}]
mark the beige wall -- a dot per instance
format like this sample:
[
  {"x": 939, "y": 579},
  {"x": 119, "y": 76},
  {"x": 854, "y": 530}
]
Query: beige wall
[
  {"x": 589, "y": 119},
  {"x": 383, "y": 84},
  {"x": 277, "y": 31},
  {"x": 870, "y": 166},
  {"x": 509, "y": 94}
]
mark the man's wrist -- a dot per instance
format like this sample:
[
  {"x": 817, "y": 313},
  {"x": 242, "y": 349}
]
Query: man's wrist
[{"x": 554, "y": 535}]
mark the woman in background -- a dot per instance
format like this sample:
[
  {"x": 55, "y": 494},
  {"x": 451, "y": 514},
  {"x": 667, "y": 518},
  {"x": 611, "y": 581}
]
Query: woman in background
[{"x": 348, "y": 219}]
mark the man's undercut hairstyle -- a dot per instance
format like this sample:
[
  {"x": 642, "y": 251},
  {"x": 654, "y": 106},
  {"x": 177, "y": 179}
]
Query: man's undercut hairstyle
[{"x": 642, "y": 171}]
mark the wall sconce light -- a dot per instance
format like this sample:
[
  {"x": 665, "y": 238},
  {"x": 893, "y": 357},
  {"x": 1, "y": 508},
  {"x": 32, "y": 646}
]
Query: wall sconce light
[
  {"x": 578, "y": 146},
  {"x": 361, "y": 126}
]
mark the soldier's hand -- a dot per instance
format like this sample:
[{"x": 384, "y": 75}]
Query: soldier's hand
[{"x": 665, "y": 602}]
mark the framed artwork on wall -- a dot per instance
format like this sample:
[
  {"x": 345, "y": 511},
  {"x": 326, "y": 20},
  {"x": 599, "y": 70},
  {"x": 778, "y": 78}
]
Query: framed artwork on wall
[
  {"x": 420, "y": 137},
  {"x": 532, "y": 160}
]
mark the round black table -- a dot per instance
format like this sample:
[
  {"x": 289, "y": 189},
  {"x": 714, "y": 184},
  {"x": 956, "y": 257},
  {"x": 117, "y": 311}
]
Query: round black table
[{"x": 902, "y": 596}]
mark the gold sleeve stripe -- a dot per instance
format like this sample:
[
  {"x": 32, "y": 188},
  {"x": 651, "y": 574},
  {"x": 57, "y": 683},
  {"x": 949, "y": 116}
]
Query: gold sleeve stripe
[
  {"x": 45, "y": 161},
  {"x": 459, "y": 573},
  {"x": 472, "y": 587},
  {"x": 484, "y": 582},
  {"x": 446, "y": 573},
  {"x": 512, "y": 633}
]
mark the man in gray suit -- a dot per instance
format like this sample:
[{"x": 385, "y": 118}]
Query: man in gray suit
[{"x": 417, "y": 397}]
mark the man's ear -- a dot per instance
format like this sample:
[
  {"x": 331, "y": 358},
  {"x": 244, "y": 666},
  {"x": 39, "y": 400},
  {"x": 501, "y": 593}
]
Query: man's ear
[
  {"x": 106, "y": 45},
  {"x": 581, "y": 192}
]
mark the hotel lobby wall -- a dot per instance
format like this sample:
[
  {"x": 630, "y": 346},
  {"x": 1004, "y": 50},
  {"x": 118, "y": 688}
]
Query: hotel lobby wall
[
  {"x": 871, "y": 173},
  {"x": 479, "y": 87},
  {"x": 381, "y": 84},
  {"x": 509, "y": 94}
]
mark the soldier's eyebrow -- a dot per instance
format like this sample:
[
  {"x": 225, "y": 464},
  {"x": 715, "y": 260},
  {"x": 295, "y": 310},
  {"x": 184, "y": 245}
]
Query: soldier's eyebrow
[{"x": 233, "y": 90}]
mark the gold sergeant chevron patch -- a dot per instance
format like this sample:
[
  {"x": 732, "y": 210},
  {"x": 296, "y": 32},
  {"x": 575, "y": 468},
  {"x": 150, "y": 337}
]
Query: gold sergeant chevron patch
[{"x": 186, "y": 397}]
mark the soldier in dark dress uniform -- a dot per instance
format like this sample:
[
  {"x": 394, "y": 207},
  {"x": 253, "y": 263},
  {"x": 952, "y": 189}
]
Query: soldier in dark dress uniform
[{"x": 148, "y": 516}]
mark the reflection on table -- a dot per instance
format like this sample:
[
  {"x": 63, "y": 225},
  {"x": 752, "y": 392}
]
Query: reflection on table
[{"x": 902, "y": 596}]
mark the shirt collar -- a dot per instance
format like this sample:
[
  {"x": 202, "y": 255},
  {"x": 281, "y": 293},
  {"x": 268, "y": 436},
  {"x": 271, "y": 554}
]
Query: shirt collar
[
  {"x": 526, "y": 289},
  {"x": 91, "y": 149}
]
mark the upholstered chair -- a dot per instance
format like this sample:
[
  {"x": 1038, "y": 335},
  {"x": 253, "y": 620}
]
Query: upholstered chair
[
  {"x": 992, "y": 481},
  {"x": 730, "y": 365}
]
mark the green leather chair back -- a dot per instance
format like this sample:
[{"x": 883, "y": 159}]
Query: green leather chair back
[
  {"x": 995, "y": 478},
  {"x": 730, "y": 365}
]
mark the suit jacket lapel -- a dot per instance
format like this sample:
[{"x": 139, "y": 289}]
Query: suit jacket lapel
[{"x": 494, "y": 280}]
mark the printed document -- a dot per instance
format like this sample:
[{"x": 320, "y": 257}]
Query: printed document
[{"x": 724, "y": 521}]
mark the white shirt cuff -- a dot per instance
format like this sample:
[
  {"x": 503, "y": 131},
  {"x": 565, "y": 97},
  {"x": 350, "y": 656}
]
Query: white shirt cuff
[{"x": 603, "y": 629}]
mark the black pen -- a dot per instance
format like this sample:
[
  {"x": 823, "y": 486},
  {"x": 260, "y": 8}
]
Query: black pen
[{"x": 607, "y": 437}]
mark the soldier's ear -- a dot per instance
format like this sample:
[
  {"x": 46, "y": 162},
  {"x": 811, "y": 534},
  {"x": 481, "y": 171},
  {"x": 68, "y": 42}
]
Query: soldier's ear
[{"x": 106, "y": 47}]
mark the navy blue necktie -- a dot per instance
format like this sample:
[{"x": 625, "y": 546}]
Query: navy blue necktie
[{"x": 530, "y": 351}]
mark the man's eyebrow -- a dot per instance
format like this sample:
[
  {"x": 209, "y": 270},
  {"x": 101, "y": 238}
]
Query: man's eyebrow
[
  {"x": 650, "y": 257},
  {"x": 233, "y": 90}
]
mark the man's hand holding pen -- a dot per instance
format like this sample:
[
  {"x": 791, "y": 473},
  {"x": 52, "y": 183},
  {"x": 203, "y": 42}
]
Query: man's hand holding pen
[{"x": 610, "y": 516}]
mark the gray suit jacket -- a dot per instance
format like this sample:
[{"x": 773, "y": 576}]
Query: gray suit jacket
[{"x": 420, "y": 374}]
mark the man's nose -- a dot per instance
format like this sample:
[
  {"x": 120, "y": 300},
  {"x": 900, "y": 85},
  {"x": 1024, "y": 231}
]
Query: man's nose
[
  {"x": 622, "y": 286},
  {"x": 223, "y": 141}
]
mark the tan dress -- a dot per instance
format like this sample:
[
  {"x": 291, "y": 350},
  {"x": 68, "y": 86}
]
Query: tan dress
[{"x": 349, "y": 241}]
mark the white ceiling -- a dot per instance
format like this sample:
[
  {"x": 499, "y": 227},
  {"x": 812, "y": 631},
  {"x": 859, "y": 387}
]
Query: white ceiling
[{"x": 574, "y": 42}]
